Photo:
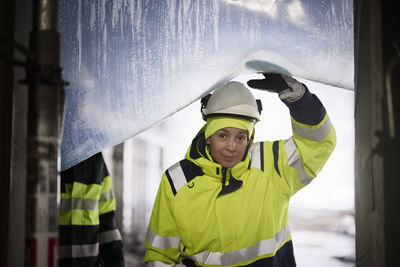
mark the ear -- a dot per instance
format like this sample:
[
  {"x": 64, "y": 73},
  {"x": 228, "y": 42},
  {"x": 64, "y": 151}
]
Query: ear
[{"x": 208, "y": 141}]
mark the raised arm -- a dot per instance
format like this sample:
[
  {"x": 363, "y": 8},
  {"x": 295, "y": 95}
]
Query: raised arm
[{"x": 301, "y": 157}]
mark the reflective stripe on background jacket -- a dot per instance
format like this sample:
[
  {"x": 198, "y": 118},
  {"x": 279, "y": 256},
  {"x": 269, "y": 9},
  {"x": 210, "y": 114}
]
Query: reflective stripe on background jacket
[
  {"x": 88, "y": 235},
  {"x": 208, "y": 215}
]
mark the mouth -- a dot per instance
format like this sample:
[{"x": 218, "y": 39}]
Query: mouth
[{"x": 230, "y": 158}]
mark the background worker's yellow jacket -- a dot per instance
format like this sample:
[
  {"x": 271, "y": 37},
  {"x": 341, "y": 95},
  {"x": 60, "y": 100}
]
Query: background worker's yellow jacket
[
  {"x": 88, "y": 233},
  {"x": 208, "y": 215}
]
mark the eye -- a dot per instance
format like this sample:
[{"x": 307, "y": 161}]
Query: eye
[
  {"x": 242, "y": 138},
  {"x": 222, "y": 136}
]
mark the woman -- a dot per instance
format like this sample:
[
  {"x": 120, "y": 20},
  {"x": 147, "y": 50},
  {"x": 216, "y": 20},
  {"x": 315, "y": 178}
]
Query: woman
[{"x": 227, "y": 202}]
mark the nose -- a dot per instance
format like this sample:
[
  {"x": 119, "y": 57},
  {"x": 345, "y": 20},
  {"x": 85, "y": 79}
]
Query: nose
[{"x": 231, "y": 146}]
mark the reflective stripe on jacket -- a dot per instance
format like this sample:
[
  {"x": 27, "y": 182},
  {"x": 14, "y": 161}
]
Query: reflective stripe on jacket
[
  {"x": 87, "y": 228},
  {"x": 199, "y": 219}
]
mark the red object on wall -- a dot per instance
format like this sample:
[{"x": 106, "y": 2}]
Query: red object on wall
[
  {"x": 31, "y": 252},
  {"x": 52, "y": 252}
]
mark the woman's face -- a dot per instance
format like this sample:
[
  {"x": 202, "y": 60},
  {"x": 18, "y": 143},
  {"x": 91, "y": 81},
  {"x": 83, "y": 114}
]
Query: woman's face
[{"x": 228, "y": 145}]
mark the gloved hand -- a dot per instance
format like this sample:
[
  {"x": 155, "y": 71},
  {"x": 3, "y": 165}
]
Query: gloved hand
[{"x": 288, "y": 88}]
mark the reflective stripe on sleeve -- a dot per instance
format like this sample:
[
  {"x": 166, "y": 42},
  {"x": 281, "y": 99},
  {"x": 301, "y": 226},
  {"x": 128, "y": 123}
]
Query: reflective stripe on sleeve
[
  {"x": 158, "y": 264},
  {"x": 78, "y": 204},
  {"x": 107, "y": 202},
  {"x": 177, "y": 176},
  {"x": 109, "y": 236},
  {"x": 267, "y": 246},
  {"x": 78, "y": 251},
  {"x": 257, "y": 156},
  {"x": 162, "y": 242},
  {"x": 296, "y": 162},
  {"x": 317, "y": 133},
  {"x": 107, "y": 195}
]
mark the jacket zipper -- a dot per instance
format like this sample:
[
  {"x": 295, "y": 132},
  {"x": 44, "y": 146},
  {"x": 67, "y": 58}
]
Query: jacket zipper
[{"x": 223, "y": 176}]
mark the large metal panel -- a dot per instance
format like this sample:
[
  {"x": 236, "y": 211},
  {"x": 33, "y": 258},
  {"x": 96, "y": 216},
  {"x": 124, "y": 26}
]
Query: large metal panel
[{"x": 133, "y": 63}]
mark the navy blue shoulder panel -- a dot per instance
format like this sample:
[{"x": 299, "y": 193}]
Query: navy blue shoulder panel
[
  {"x": 275, "y": 150},
  {"x": 170, "y": 182},
  {"x": 190, "y": 169},
  {"x": 308, "y": 109},
  {"x": 262, "y": 156}
]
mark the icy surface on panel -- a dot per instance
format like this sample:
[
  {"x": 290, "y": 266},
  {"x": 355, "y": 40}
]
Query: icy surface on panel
[{"x": 131, "y": 64}]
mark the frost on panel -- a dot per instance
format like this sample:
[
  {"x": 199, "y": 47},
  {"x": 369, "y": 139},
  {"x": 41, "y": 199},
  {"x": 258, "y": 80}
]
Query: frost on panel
[{"x": 132, "y": 63}]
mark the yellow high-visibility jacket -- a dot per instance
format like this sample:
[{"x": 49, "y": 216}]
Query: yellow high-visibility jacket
[{"x": 207, "y": 215}]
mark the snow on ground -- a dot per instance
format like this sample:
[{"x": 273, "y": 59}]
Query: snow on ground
[
  {"x": 323, "y": 238},
  {"x": 322, "y": 248}
]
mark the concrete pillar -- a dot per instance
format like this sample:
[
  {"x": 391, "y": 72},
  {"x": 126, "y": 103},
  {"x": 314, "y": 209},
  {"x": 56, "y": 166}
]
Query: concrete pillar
[
  {"x": 377, "y": 132},
  {"x": 14, "y": 28}
]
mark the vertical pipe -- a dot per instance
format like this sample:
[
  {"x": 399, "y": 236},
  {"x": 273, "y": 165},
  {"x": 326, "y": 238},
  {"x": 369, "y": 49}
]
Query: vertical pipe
[{"x": 45, "y": 107}]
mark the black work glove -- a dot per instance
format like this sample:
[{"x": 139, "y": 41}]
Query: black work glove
[{"x": 288, "y": 88}]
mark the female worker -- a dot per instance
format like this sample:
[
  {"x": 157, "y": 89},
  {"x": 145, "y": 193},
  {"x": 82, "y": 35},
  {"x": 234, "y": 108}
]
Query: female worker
[{"x": 227, "y": 202}]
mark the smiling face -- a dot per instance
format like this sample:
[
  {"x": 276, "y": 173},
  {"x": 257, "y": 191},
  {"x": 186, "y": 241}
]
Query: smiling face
[{"x": 228, "y": 145}]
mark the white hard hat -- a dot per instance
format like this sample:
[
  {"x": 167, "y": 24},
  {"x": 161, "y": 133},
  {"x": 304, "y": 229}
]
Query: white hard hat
[{"x": 232, "y": 99}]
